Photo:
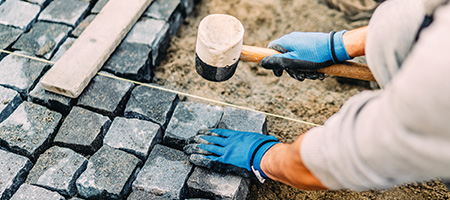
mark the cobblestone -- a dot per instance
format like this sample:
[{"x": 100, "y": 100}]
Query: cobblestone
[
  {"x": 57, "y": 169},
  {"x": 8, "y": 35},
  {"x": 83, "y": 25},
  {"x": 151, "y": 104},
  {"x": 106, "y": 95},
  {"x": 108, "y": 175},
  {"x": 188, "y": 6},
  {"x": 29, "y": 129},
  {"x": 31, "y": 192},
  {"x": 9, "y": 101},
  {"x": 13, "y": 171},
  {"x": 141, "y": 195},
  {"x": 187, "y": 119},
  {"x": 132, "y": 61},
  {"x": 164, "y": 173},
  {"x": 20, "y": 73},
  {"x": 134, "y": 136},
  {"x": 167, "y": 10},
  {"x": 63, "y": 48},
  {"x": 51, "y": 100},
  {"x": 39, "y": 2},
  {"x": 243, "y": 120},
  {"x": 82, "y": 131},
  {"x": 43, "y": 39},
  {"x": 204, "y": 183},
  {"x": 68, "y": 12},
  {"x": 19, "y": 14},
  {"x": 99, "y": 6}
]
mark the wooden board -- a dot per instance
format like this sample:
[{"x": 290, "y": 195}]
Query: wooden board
[{"x": 75, "y": 69}]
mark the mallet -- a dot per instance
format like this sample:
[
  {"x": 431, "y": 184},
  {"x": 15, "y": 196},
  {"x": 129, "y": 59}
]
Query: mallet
[{"x": 220, "y": 47}]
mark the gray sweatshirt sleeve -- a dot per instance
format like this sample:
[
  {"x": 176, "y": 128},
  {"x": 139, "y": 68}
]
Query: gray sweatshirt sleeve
[{"x": 399, "y": 134}]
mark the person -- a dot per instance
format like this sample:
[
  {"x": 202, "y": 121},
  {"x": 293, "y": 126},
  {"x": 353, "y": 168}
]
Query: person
[{"x": 378, "y": 139}]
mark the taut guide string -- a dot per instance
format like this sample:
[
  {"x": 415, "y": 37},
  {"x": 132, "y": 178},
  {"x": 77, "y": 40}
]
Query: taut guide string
[{"x": 172, "y": 91}]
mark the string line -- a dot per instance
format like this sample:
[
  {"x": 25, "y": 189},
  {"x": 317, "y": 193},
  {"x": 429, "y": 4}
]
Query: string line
[{"x": 173, "y": 91}]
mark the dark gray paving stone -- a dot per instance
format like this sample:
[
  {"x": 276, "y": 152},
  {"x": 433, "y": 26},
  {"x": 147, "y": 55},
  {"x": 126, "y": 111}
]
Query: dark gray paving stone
[
  {"x": 141, "y": 195},
  {"x": 83, "y": 25},
  {"x": 19, "y": 14},
  {"x": 82, "y": 131},
  {"x": 132, "y": 61},
  {"x": 63, "y": 48},
  {"x": 99, "y": 6},
  {"x": 187, "y": 119},
  {"x": 8, "y": 35},
  {"x": 151, "y": 104},
  {"x": 20, "y": 73},
  {"x": 57, "y": 169},
  {"x": 13, "y": 171},
  {"x": 106, "y": 95},
  {"x": 243, "y": 120},
  {"x": 152, "y": 32},
  {"x": 163, "y": 9},
  {"x": 188, "y": 6},
  {"x": 29, "y": 129},
  {"x": 51, "y": 100},
  {"x": 43, "y": 39},
  {"x": 31, "y": 192},
  {"x": 134, "y": 136},
  {"x": 108, "y": 175},
  {"x": 9, "y": 101},
  {"x": 164, "y": 173},
  {"x": 204, "y": 183},
  {"x": 69, "y": 12}
]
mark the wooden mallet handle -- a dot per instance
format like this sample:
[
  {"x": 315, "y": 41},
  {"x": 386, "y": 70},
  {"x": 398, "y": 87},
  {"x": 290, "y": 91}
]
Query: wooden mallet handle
[{"x": 346, "y": 69}]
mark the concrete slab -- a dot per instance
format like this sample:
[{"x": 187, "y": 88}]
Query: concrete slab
[
  {"x": 8, "y": 35},
  {"x": 69, "y": 12},
  {"x": 13, "y": 171},
  {"x": 19, "y": 14},
  {"x": 31, "y": 192},
  {"x": 243, "y": 120},
  {"x": 9, "y": 101},
  {"x": 29, "y": 129}
]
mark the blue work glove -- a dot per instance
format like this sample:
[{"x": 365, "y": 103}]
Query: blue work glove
[
  {"x": 304, "y": 53},
  {"x": 229, "y": 151}
]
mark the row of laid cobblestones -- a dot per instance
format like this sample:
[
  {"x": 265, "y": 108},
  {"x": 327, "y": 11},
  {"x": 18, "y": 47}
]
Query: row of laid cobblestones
[{"x": 117, "y": 140}]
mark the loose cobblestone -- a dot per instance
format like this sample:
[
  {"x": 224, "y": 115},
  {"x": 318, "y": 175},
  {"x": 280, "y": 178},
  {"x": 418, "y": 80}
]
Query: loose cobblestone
[
  {"x": 243, "y": 120},
  {"x": 43, "y": 39},
  {"x": 51, "y": 100},
  {"x": 9, "y": 101},
  {"x": 29, "y": 129},
  {"x": 187, "y": 119},
  {"x": 108, "y": 175},
  {"x": 57, "y": 169},
  {"x": 8, "y": 35},
  {"x": 151, "y": 104},
  {"x": 31, "y": 192},
  {"x": 63, "y": 48},
  {"x": 82, "y": 131},
  {"x": 19, "y": 14},
  {"x": 204, "y": 183},
  {"x": 164, "y": 173},
  {"x": 106, "y": 95},
  {"x": 13, "y": 171},
  {"x": 134, "y": 136},
  {"x": 69, "y": 12},
  {"x": 83, "y": 25}
]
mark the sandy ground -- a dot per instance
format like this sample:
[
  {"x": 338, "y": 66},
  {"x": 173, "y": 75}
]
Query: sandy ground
[{"x": 257, "y": 88}]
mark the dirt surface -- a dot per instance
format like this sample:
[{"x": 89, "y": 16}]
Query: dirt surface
[{"x": 257, "y": 88}]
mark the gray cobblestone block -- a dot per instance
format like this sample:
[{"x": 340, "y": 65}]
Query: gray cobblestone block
[
  {"x": 152, "y": 32},
  {"x": 167, "y": 10},
  {"x": 187, "y": 119},
  {"x": 164, "y": 173},
  {"x": 9, "y": 101},
  {"x": 243, "y": 120},
  {"x": 31, "y": 192},
  {"x": 204, "y": 183},
  {"x": 69, "y": 12},
  {"x": 134, "y": 136},
  {"x": 188, "y": 6},
  {"x": 151, "y": 104},
  {"x": 20, "y": 73},
  {"x": 43, "y": 39},
  {"x": 82, "y": 131},
  {"x": 39, "y": 2},
  {"x": 63, "y": 48},
  {"x": 8, "y": 35},
  {"x": 19, "y": 14},
  {"x": 99, "y": 6},
  {"x": 106, "y": 95},
  {"x": 29, "y": 129},
  {"x": 51, "y": 100},
  {"x": 108, "y": 175},
  {"x": 132, "y": 61},
  {"x": 83, "y": 25},
  {"x": 141, "y": 195},
  {"x": 57, "y": 169},
  {"x": 13, "y": 171}
]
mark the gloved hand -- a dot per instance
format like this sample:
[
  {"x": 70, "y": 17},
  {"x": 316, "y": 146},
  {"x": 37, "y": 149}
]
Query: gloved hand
[
  {"x": 303, "y": 53},
  {"x": 215, "y": 147}
]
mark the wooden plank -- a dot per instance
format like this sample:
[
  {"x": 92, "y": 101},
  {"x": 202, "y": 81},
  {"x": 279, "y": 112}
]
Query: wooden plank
[{"x": 74, "y": 70}]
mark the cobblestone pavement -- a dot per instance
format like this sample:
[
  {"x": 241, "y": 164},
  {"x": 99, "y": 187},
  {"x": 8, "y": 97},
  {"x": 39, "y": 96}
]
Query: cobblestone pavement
[{"x": 118, "y": 140}]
